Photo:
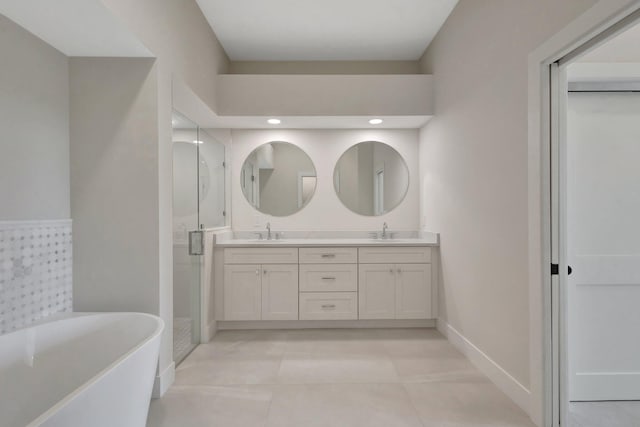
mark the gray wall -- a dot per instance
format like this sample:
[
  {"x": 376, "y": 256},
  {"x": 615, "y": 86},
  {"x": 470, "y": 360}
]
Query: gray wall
[
  {"x": 188, "y": 51},
  {"x": 473, "y": 158},
  {"x": 324, "y": 67},
  {"x": 114, "y": 184},
  {"x": 34, "y": 118},
  {"x": 180, "y": 36}
]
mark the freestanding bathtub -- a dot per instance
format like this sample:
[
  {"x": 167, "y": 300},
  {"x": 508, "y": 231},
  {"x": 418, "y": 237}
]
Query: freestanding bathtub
[{"x": 80, "y": 370}]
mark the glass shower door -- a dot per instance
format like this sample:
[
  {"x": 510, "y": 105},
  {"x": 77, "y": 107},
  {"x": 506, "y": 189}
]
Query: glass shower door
[{"x": 186, "y": 221}]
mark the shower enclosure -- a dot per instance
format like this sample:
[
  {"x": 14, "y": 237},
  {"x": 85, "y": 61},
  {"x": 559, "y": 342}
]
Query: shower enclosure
[{"x": 198, "y": 204}]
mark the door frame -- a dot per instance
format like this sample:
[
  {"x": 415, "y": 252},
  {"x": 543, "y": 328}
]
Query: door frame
[{"x": 604, "y": 18}]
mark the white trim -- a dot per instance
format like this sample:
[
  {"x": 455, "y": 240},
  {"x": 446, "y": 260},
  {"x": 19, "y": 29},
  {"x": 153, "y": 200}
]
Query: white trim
[
  {"x": 324, "y": 324},
  {"x": 209, "y": 330},
  {"x": 6, "y": 225},
  {"x": 596, "y": 20},
  {"x": 163, "y": 381},
  {"x": 500, "y": 377},
  {"x": 306, "y": 174}
]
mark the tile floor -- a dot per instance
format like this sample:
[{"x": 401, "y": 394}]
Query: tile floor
[
  {"x": 610, "y": 414},
  {"x": 337, "y": 378}
]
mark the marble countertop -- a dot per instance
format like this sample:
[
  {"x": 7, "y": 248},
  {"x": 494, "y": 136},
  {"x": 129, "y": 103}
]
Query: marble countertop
[{"x": 326, "y": 242}]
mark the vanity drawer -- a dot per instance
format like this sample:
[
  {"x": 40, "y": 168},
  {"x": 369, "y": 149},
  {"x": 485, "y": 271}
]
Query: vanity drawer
[
  {"x": 328, "y": 305},
  {"x": 328, "y": 255},
  {"x": 261, "y": 255},
  {"x": 328, "y": 277},
  {"x": 395, "y": 254}
]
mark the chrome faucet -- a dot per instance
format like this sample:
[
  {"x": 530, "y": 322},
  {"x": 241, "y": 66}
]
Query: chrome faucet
[
  {"x": 384, "y": 230},
  {"x": 268, "y": 231}
]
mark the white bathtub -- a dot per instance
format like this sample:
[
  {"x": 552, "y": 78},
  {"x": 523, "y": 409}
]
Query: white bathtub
[{"x": 80, "y": 370}]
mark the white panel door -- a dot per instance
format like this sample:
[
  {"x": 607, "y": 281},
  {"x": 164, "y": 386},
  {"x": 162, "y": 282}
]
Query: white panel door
[
  {"x": 377, "y": 291},
  {"x": 242, "y": 292},
  {"x": 280, "y": 292},
  {"x": 603, "y": 245},
  {"x": 413, "y": 291}
]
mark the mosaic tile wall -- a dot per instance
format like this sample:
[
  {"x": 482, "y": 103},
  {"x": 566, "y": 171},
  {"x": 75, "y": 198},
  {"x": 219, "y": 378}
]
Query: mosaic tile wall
[{"x": 35, "y": 271}]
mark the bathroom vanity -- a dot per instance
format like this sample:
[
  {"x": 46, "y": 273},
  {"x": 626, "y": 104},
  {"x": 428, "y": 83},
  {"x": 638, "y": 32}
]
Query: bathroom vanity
[
  {"x": 324, "y": 279},
  {"x": 268, "y": 279}
]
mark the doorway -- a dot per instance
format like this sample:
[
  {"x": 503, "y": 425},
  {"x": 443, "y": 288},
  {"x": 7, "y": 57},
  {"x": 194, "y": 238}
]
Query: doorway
[{"x": 595, "y": 232}]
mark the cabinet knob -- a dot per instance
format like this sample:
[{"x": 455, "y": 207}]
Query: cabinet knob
[
  {"x": 265, "y": 271},
  {"x": 257, "y": 271},
  {"x": 399, "y": 271}
]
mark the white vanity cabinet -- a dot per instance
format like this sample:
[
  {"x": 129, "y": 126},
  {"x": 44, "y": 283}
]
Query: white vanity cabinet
[
  {"x": 280, "y": 292},
  {"x": 261, "y": 291},
  {"x": 328, "y": 283},
  {"x": 242, "y": 292},
  {"x": 400, "y": 290}
]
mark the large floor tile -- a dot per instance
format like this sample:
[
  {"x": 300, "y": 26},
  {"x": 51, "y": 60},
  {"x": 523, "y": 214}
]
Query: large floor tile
[
  {"x": 345, "y": 342},
  {"x": 228, "y": 372},
  {"x": 211, "y": 406},
  {"x": 465, "y": 403},
  {"x": 343, "y": 405},
  {"x": 417, "y": 343},
  {"x": 319, "y": 369},
  {"x": 242, "y": 345},
  {"x": 309, "y": 378},
  {"x": 427, "y": 369},
  {"x": 610, "y": 414}
]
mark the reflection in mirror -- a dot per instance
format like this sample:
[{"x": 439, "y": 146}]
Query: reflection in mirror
[
  {"x": 278, "y": 178},
  {"x": 185, "y": 174},
  {"x": 371, "y": 178},
  {"x": 211, "y": 179},
  {"x": 198, "y": 174}
]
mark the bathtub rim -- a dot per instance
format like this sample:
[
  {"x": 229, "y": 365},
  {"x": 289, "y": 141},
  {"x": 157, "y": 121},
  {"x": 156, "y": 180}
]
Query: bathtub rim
[{"x": 94, "y": 379}]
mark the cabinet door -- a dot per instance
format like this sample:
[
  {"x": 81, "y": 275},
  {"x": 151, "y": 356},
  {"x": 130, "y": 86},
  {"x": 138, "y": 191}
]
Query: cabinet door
[
  {"x": 242, "y": 292},
  {"x": 280, "y": 292},
  {"x": 413, "y": 291},
  {"x": 377, "y": 292}
]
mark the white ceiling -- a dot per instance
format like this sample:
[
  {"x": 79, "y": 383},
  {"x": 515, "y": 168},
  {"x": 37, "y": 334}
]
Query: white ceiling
[
  {"x": 75, "y": 27},
  {"x": 326, "y": 30}
]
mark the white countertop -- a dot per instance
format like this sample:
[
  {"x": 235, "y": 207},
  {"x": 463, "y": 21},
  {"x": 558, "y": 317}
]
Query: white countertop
[{"x": 327, "y": 242}]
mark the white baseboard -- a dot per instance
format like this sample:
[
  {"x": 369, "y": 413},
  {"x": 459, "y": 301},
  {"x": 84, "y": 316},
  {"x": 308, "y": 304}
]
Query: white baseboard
[
  {"x": 325, "y": 324},
  {"x": 501, "y": 378},
  {"x": 208, "y": 331},
  {"x": 163, "y": 381}
]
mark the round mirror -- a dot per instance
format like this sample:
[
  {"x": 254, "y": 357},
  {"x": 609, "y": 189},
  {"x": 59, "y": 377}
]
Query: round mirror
[
  {"x": 278, "y": 178},
  {"x": 371, "y": 178}
]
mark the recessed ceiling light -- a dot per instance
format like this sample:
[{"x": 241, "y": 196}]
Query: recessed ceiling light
[
  {"x": 274, "y": 121},
  {"x": 197, "y": 142},
  {"x": 375, "y": 121}
]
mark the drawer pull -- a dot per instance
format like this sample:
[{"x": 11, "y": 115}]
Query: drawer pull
[
  {"x": 328, "y": 278},
  {"x": 328, "y": 306},
  {"x": 328, "y": 255}
]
